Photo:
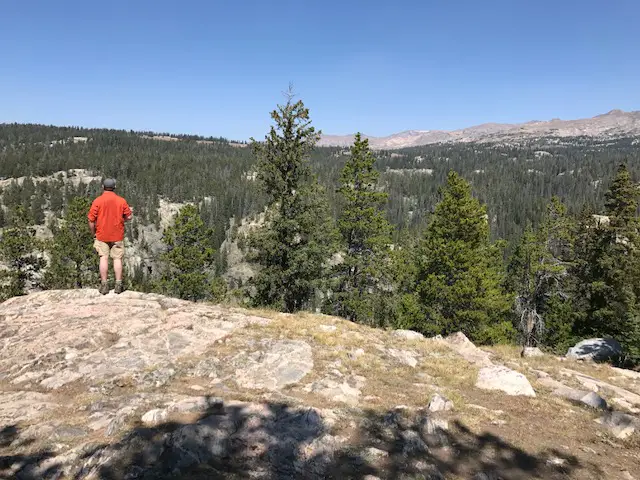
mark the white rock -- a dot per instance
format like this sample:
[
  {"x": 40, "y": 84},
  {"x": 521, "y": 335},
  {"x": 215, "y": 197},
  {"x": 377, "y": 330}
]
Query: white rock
[
  {"x": 498, "y": 377},
  {"x": 345, "y": 391},
  {"x": 532, "y": 352},
  {"x": 556, "y": 461},
  {"x": 621, "y": 402},
  {"x": 328, "y": 328},
  {"x": 440, "y": 404},
  {"x": 356, "y": 353},
  {"x": 627, "y": 373},
  {"x": 539, "y": 373},
  {"x": 464, "y": 347},
  {"x": 404, "y": 356},
  {"x": 155, "y": 416},
  {"x": 408, "y": 334},
  {"x": 196, "y": 404}
]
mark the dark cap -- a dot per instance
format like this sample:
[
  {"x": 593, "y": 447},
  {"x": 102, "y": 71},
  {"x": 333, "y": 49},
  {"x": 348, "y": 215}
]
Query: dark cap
[{"x": 109, "y": 183}]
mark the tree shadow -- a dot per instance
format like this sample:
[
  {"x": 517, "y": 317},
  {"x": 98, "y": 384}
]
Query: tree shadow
[{"x": 279, "y": 441}]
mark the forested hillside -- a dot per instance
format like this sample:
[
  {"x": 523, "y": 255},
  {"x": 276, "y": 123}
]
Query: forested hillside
[
  {"x": 535, "y": 241},
  {"x": 515, "y": 181}
]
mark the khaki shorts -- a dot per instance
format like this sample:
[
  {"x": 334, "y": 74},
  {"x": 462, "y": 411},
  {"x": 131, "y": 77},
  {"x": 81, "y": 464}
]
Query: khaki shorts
[{"x": 104, "y": 249}]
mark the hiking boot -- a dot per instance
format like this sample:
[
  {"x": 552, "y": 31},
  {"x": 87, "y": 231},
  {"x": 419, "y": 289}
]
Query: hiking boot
[
  {"x": 104, "y": 288},
  {"x": 119, "y": 288}
]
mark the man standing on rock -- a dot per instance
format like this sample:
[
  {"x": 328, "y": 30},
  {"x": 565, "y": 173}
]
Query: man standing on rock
[{"x": 106, "y": 219}]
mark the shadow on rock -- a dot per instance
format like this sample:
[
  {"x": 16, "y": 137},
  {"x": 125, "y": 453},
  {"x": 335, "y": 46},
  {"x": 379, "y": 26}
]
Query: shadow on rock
[{"x": 280, "y": 441}]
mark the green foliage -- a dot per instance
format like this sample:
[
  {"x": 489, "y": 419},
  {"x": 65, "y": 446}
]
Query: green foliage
[
  {"x": 294, "y": 246},
  {"x": 607, "y": 269},
  {"x": 20, "y": 250},
  {"x": 73, "y": 261},
  {"x": 460, "y": 272},
  {"x": 292, "y": 252},
  {"x": 359, "y": 279},
  {"x": 535, "y": 276},
  {"x": 189, "y": 258}
]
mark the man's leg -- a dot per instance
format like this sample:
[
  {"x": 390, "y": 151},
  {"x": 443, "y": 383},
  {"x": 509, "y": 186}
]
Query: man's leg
[
  {"x": 103, "y": 251},
  {"x": 117, "y": 269},
  {"x": 117, "y": 253},
  {"x": 104, "y": 267}
]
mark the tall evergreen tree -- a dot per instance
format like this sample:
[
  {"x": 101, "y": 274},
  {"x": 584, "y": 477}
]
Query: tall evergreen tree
[
  {"x": 536, "y": 278},
  {"x": 608, "y": 268},
  {"x": 402, "y": 309},
  {"x": 557, "y": 233},
  {"x": 366, "y": 236},
  {"x": 73, "y": 262},
  {"x": 460, "y": 272},
  {"x": 21, "y": 252},
  {"x": 188, "y": 261},
  {"x": 295, "y": 244}
]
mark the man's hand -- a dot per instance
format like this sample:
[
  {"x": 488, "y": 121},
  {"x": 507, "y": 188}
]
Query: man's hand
[{"x": 92, "y": 227}]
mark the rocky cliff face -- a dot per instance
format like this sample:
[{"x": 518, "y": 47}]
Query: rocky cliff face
[{"x": 144, "y": 386}]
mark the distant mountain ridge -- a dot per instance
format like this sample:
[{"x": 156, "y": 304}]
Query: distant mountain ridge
[{"x": 615, "y": 123}]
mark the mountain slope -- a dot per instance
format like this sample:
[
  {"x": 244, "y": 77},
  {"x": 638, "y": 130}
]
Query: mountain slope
[{"x": 615, "y": 123}]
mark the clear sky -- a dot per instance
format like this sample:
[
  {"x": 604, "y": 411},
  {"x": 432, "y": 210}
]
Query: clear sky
[{"x": 218, "y": 67}]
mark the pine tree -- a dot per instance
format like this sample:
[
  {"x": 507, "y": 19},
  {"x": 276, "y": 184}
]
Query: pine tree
[
  {"x": 401, "y": 308},
  {"x": 535, "y": 277},
  {"x": 607, "y": 269},
  {"x": 37, "y": 212},
  {"x": 366, "y": 235},
  {"x": 460, "y": 272},
  {"x": 73, "y": 262},
  {"x": 557, "y": 233},
  {"x": 294, "y": 246},
  {"x": 21, "y": 252},
  {"x": 189, "y": 257}
]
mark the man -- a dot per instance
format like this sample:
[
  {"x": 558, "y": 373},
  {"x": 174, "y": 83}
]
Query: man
[{"x": 106, "y": 219}]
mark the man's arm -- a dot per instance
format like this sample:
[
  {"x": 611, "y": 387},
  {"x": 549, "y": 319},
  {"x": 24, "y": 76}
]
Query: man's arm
[
  {"x": 127, "y": 214},
  {"x": 93, "y": 216}
]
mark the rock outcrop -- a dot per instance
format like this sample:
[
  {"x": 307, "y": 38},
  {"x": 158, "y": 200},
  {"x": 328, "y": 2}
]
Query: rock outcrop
[{"x": 144, "y": 386}]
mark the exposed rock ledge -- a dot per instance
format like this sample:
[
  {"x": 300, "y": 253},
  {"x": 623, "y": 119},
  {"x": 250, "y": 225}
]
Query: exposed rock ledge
[{"x": 144, "y": 386}]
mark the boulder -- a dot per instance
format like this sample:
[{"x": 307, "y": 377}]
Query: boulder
[
  {"x": 594, "y": 400},
  {"x": 620, "y": 424},
  {"x": 440, "y": 404},
  {"x": 408, "y": 334},
  {"x": 464, "y": 347},
  {"x": 405, "y": 357},
  {"x": 596, "y": 349},
  {"x": 590, "y": 399},
  {"x": 532, "y": 352},
  {"x": 498, "y": 377}
]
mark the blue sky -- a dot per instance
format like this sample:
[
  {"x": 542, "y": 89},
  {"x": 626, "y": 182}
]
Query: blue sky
[{"x": 219, "y": 67}]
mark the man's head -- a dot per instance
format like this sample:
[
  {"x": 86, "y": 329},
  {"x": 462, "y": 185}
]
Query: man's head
[{"x": 109, "y": 184}]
